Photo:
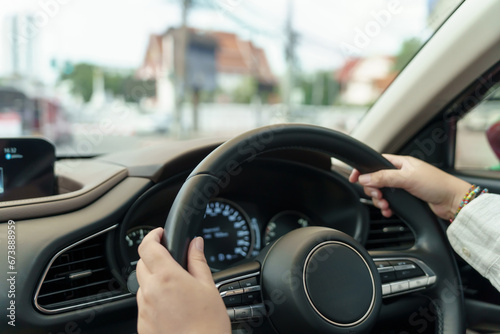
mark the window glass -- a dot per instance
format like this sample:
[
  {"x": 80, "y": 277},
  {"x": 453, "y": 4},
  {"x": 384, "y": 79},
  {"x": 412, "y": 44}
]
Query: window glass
[
  {"x": 478, "y": 135},
  {"x": 98, "y": 76}
]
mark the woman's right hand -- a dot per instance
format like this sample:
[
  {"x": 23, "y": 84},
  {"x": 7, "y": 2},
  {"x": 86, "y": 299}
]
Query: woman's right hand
[{"x": 443, "y": 192}]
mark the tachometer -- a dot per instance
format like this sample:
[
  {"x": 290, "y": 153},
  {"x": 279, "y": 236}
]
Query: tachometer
[{"x": 227, "y": 233}]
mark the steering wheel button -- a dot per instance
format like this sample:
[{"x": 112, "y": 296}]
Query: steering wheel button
[
  {"x": 418, "y": 282},
  {"x": 249, "y": 282},
  {"x": 243, "y": 312},
  {"x": 409, "y": 273},
  {"x": 397, "y": 263},
  {"x": 387, "y": 277},
  {"x": 405, "y": 267},
  {"x": 382, "y": 264},
  {"x": 386, "y": 289},
  {"x": 252, "y": 289},
  {"x": 258, "y": 310},
  {"x": 249, "y": 298},
  {"x": 230, "y": 286},
  {"x": 231, "y": 292},
  {"x": 232, "y": 300},
  {"x": 399, "y": 286},
  {"x": 385, "y": 269}
]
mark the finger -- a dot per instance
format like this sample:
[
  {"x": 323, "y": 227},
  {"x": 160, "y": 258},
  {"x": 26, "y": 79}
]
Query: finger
[
  {"x": 382, "y": 204},
  {"x": 142, "y": 272},
  {"x": 384, "y": 178},
  {"x": 153, "y": 236},
  {"x": 354, "y": 176},
  {"x": 153, "y": 254},
  {"x": 197, "y": 263},
  {"x": 140, "y": 298},
  {"x": 384, "y": 207},
  {"x": 373, "y": 192},
  {"x": 387, "y": 213}
]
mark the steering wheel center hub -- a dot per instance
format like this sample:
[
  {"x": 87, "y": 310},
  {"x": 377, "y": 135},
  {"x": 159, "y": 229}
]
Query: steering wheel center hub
[
  {"x": 339, "y": 284},
  {"x": 317, "y": 279}
]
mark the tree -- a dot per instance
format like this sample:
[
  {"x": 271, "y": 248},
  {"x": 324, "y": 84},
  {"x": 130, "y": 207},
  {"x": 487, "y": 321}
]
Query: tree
[
  {"x": 81, "y": 79},
  {"x": 244, "y": 92},
  {"x": 117, "y": 83},
  {"x": 132, "y": 89},
  {"x": 408, "y": 49},
  {"x": 319, "y": 88}
]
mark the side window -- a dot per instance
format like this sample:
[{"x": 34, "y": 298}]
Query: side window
[{"x": 478, "y": 135}]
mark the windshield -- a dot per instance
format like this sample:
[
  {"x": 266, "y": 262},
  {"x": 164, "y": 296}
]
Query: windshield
[{"x": 100, "y": 76}]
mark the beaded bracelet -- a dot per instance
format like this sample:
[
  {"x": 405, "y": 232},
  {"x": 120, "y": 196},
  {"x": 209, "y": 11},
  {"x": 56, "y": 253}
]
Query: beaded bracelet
[{"x": 473, "y": 192}]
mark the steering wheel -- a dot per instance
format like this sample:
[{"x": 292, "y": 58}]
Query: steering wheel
[{"x": 317, "y": 279}]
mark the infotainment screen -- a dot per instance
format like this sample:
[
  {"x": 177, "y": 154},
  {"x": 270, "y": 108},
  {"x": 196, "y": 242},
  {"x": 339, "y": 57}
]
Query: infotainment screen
[{"x": 26, "y": 168}]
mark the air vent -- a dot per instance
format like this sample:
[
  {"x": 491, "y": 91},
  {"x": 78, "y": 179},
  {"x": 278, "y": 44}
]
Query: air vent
[
  {"x": 78, "y": 276},
  {"x": 387, "y": 233}
]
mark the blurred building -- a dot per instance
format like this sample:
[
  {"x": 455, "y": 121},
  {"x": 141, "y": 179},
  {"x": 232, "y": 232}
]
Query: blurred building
[
  {"x": 214, "y": 61},
  {"x": 20, "y": 42},
  {"x": 362, "y": 80},
  {"x": 238, "y": 59}
]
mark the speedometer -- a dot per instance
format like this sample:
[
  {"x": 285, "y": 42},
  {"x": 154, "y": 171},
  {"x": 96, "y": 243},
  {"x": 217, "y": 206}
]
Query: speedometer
[{"x": 227, "y": 233}]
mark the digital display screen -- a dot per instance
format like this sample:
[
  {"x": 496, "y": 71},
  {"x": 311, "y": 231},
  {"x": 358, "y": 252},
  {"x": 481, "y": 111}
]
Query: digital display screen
[{"x": 26, "y": 168}]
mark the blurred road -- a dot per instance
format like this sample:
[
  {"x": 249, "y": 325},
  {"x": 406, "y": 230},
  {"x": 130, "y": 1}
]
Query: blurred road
[{"x": 124, "y": 128}]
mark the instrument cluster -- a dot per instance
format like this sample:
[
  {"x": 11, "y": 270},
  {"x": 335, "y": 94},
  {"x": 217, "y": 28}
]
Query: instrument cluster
[{"x": 260, "y": 206}]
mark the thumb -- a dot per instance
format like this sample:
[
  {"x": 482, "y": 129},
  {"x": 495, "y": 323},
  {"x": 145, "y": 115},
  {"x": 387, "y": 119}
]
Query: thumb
[
  {"x": 393, "y": 178},
  {"x": 197, "y": 263}
]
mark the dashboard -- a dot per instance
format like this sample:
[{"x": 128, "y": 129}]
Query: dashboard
[{"x": 77, "y": 248}]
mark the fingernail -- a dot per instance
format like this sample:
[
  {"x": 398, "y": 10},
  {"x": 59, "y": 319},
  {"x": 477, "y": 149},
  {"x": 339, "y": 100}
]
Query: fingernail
[
  {"x": 365, "y": 178},
  {"x": 374, "y": 194},
  {"x": 198, "y": 242}
]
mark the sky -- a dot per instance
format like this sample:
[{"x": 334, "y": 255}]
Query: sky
[{"x": 114, "y": 33}]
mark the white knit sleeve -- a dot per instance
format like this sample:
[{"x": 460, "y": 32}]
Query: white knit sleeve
[{"x": 475, "y": 236}]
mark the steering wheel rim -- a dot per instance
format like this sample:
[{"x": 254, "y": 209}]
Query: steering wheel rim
[{"x": 225, "y": 162}]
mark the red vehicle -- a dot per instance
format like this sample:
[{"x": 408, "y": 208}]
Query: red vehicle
[{"x": 22, "y": 115}]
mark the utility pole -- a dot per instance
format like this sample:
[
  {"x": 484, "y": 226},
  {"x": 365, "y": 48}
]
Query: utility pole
[
  {"x": 181, "y": 70},
  {"x": 291, "y": 41}
]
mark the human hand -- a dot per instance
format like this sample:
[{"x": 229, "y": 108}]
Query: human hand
[
  {"x": 173, "y": 300},
  {"x": 443, "y": 192}
]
